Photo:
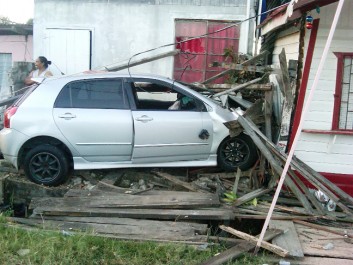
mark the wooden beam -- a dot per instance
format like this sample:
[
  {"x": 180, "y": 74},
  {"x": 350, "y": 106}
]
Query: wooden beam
[
  {"x": 270, "y": 247},
  {"x": 118, "y": 67},
  {"x": 262, "y": 87},
  {"x": 177, "y": 181},
  {"x": 239, "y": 250},
  {"x": 251, "y": 195},
  {"x": 249, "y": 68},
  {"x": 237, "y": 88}
]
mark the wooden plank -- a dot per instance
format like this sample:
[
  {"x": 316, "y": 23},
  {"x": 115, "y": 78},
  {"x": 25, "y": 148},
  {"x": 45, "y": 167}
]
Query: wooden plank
[
  {"x": 287, "y": 104},
  {"x": 289, "y": 239},
  {"x": 314, "y": 242},
  {"x": 307, "y": 192},
  {"x": 177, "y": 181},
  {"x": 270, "y": 247},
  {"x": 322, "y": 261},
  {"x": 248, "y": 68},
  {"x": 274, "y": 163},
  {"x": 311, "y": 175},
  {"x": 324, "y": 228},
  {"x": 239, "y": 249},
  {"x": 125, "y": 228},
  {"x": 261, "y": 87},
  {"x": 165, "y": 214},
  {"x": 196, "y": 227},
  {"x": 236, "y": 181},
  {"x": 183, "y": 201},
  {"x": 268, "y": 114},
  {"x": 118, "y": 67},
  {"x": 251, "y": 195},
  {"x": 237, "y": 88}
]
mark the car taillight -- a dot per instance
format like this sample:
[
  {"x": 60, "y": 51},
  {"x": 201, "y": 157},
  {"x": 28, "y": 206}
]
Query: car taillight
[{"x": 7, "y": 116}]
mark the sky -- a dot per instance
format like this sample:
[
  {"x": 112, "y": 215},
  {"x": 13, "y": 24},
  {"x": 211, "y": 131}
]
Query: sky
[{"x": 17, "y": 10}]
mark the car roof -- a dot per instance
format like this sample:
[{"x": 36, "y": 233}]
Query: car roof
[{"x": 97, "y": 75}]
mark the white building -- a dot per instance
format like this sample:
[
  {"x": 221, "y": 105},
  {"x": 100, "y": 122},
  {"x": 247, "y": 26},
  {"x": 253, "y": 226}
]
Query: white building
[{"x": 89, "y": 34}]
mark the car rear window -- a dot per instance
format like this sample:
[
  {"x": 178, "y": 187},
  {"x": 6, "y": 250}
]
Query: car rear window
[
  {"x": 28, "y": 90},
  {"x": 93, "y": 94}
]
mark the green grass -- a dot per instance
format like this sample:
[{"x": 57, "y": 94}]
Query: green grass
[{"x": 49, "y": 247}]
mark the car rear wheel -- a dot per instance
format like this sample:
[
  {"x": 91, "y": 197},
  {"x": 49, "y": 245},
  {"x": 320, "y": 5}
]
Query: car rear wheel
[
  {"x": 47, "y": 165},
  {"x": 239, "y": 151}
]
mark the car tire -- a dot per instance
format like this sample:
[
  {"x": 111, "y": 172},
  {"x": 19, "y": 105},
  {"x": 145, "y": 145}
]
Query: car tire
[
  {"x": 46, "y": 164},
  {"x": 234, "y": 152}
]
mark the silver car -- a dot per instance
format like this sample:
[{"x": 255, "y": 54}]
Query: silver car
[{"x": 110, "y": 120}]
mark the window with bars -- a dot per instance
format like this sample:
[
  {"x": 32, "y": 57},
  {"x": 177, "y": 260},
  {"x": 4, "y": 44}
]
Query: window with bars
[{"x": 343, "y": 106}]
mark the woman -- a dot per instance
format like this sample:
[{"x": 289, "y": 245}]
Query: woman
[{"x": 42, "y": 70}]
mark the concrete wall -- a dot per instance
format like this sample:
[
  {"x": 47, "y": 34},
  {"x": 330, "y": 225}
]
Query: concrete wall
[
  {"x": 122, "y": 28},
  {"x": 21, "y": 47},
  {"x": 325, "y": 152}
]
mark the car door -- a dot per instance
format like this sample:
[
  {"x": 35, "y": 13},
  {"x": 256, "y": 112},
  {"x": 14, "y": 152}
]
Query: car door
[
  {"x": 164, "y": 133},
  {"x": 95, "y": 118}
]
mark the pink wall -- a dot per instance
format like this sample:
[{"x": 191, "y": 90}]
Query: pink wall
[{"x": 21, "y": 49}]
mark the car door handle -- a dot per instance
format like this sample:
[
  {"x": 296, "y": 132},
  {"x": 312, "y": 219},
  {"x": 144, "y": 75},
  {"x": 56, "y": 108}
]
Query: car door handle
[
  {"x": 67, "y": 116},
  {"x": 144, "y": 118}
]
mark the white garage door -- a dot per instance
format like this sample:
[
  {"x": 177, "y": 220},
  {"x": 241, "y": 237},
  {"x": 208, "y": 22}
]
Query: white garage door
[{"x": 69, "y": 50}]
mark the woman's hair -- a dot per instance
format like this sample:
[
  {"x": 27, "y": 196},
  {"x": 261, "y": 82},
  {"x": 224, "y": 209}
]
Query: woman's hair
[{"x": 44, "y": 61}]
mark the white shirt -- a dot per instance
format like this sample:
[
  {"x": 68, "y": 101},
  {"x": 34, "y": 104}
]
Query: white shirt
[{"x": 42, "y": 74}]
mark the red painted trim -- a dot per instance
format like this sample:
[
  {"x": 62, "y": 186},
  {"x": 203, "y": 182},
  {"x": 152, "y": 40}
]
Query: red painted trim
[
  {"x": 343, "y": 181},
  {"x": 338, "y": 90},
  {"x": 304, "y": 83},
  {"x": 343, "y": 132}
]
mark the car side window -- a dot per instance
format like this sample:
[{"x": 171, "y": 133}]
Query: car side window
[
  {"x": 93, "y": 94},
  {"x": 156, "y": 96}
]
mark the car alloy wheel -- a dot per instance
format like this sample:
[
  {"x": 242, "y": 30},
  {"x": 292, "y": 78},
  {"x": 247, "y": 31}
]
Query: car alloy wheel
[
  {"x": 46, "y": 164},
  {"x": 239, "y": 151}
]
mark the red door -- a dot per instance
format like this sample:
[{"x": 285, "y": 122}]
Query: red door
[{"x": 201, "y": 56}]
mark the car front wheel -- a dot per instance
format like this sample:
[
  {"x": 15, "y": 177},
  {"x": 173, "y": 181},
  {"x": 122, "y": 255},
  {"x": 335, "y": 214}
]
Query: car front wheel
[
  {"x": 47, "y": 165},
  {"x": 239, "y": 151}
]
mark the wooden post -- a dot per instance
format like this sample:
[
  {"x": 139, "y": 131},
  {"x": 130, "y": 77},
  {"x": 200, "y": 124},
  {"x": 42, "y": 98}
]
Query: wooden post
[
  {"x": 236, "y": 181},
  {"x": 118, "y": 67}
]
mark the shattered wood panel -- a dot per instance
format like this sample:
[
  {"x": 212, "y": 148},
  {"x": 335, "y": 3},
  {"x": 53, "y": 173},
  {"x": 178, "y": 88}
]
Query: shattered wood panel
[
  {"x": 183, "y": 201},
  {"x": 313, "y": 242},
  {"x": 289, "y": 240},
  {"x": 125, "y": 228},
  {"x": 165, "y": 214}
]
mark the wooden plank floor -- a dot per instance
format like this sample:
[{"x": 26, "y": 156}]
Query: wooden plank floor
[{"x": 313, "y": 242}]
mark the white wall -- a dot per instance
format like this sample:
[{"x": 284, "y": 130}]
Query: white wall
[
  {"x": 327, "y": 153},
  {"x": 121, "y": 29},
  {"x": 289, "y": 40}
]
